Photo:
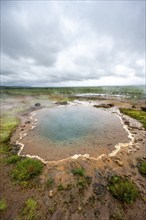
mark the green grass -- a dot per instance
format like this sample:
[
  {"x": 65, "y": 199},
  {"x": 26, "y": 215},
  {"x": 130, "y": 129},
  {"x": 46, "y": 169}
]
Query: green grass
[
  {"x": 26, "y": 169},
  {"x": 5, "y": 148},
  {"x": 29, "y": 210},
  {"x": 13, "y": 159},
  {"x": 136, "y": 114},
  {"x": 3, "y": 205},
  {"x": 7, "y": 124},
  {"x": 123, "y": 189},
  {"x": 78, "y": 171},
  {"x": 142, "y": 168}
]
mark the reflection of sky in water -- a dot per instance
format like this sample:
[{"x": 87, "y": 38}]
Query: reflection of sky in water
[{"x": 69, "y": 123}]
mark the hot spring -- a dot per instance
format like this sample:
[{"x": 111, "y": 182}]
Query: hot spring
[{"x": 64, "y": 131}]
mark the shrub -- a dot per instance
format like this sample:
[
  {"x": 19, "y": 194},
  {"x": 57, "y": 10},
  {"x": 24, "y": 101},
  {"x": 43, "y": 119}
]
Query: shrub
[
  {"x": 3, "y": 205},
  {"x": 142, "y": 168},
  {"x": 78, "y": 171},
  {"x": 123, "y": 189},
  {"x": 26, "y": 169},
  {"x": 12, "y": 159}
]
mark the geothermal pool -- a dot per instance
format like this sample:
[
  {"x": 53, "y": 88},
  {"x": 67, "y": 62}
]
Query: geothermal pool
[{"x": 64, "y": 131}]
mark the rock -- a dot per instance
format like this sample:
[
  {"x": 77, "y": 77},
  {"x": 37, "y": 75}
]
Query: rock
[
  {"x": 61, "y": 103},
  {"x": 99, "y": 189},
  {"x": 103, "y": 105},
  {"x": 126, "y": 122},
  {"x": 27, "y": 122},
  {"x": 119, "y": 162},
  {"x": 37, "y": 104},
  {"x": 140, "y": 139},
  {"x": 15, "y": 149},
  {"x": 143, "y": 108},
  {"x": 97, "y": 174}
]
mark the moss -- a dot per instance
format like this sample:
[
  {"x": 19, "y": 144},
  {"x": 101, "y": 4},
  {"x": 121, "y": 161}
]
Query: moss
[
  {"x": 3, "y": 205},
  {"x": 78, "y": 171},
  {"x": 123, "y": 189},
  {"x": 142, "y": 168},
  {"x": 29, "y": 210},
  {"x": 26, "y": 169},
  {"x": 136, "y": 114},
  {"x": 12, "y": 159}
]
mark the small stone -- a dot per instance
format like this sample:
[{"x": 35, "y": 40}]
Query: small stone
[
  {"x": 27, "y": 122},
  {"x": 50, "y": 193},
  {"x": 137, "y": 147},
  {"x": 140, "y": 139},
  {"x": 79, "y": 208},
  {"x": 119, "y": 162}
]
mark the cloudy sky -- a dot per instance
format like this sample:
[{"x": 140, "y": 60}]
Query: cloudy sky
[{"x": 72, "y": 43}]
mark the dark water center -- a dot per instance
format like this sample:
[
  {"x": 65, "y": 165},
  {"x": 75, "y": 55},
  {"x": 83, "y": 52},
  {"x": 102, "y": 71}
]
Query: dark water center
[{"x": 67, "y": 130}]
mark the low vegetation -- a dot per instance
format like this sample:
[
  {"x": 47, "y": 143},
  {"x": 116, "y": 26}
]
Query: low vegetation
[
  {"x": 13, "y": 159},
  {"x": 26, "y": 169},
  {"x": 142, "y": 168},
  {"x": 3, "y": 205},
  {"x": 136, "y": 114},
  {"x": 8, "y": 124},
  {"x": 83, "y": 182},
  {"x": 5, "y": 148},
  {"x": 78, "y": 171},
  {"x": 123, "y": 189},
  {"x": 49, "y": 182},
  {"x": 29, "y": 210},
  {"x": 60, "y": 187}
]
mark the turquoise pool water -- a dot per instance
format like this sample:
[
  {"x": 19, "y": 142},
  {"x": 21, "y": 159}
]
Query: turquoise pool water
[{"x": 67, "y": 130}]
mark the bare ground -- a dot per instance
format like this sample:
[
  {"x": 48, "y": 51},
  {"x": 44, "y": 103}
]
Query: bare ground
[{"x": 73, "y": 202}]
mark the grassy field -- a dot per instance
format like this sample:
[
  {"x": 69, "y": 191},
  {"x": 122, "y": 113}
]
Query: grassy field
[{"x": 132, "y": 91}]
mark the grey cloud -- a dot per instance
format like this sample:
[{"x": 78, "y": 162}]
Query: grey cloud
[{"x": 55, "y": 42}]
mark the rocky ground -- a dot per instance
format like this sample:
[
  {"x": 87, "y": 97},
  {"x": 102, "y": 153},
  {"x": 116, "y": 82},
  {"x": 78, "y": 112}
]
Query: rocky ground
[{"x": 62, "y": 194}]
